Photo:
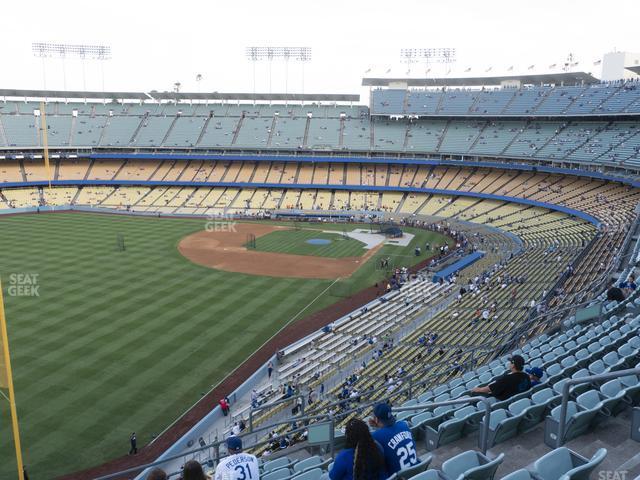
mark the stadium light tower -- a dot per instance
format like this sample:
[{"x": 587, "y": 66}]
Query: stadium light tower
[
  {"x": 45, "y": 50},
  {"x": 428, "y": 55},
  {"x": 297, "y": 54},
  {"x": 570, "y": 62}
]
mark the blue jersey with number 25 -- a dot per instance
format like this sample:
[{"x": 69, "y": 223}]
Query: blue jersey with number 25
[{"x": 399, "y": 447}]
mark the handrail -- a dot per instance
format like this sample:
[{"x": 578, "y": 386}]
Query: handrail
[
  {"x": 272, "y": 404},
  {"x": 576, "y": 381},
  {"x": 485, "y": 423},
  {"x": 332, "y": 420},
  {"x": 215, "y": 445}
]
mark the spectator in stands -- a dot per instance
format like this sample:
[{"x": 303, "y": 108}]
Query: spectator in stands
[
  {"x": 363, "y": 457},
  {"x": 192, "y": 470},
  {"x": 614, "y": 293},
  {"x": 224, "y": 406},
  {"x": 535, "y": 375},
  {"x": 269, "y": 369},
  {"x": 395, "y": 438},
  {"x": 629, "y": 286},
  {"x": 510, "y": 384},
  {"x": 157, "y": 474},
  {"x": 238, "y": 465}
]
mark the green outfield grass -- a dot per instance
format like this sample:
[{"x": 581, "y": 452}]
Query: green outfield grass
[
  {"x": 122, "y": 341},
  {"x": 295, "y": 242}
]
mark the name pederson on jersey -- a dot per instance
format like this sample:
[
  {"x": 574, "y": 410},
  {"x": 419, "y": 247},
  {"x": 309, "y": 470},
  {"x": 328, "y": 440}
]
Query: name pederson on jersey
[
  {"x": 399, "y": 447},
  {"x": 241, "y": 466}
]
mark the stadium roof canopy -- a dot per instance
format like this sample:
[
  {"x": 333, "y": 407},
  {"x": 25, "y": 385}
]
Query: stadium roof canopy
[
  {"x": 567, "y": 78},
  {"x": 635, "y": 69},
  {"x": 154, "y": 95}
]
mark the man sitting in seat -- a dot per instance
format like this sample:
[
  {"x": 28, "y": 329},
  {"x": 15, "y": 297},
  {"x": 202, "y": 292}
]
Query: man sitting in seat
[
  {"x": 395, "y": 438},
  {"x": 508, "y": 385}
]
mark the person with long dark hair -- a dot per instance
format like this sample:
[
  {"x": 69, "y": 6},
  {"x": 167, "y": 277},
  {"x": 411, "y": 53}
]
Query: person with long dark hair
[{"x": 362, "y": 459}]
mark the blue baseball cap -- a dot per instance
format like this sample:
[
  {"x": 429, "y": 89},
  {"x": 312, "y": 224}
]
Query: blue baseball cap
[
  {"x": 234, "y": 443},
  {"x": 382, "y": 412},
  {"x": 535, "y": 371}
]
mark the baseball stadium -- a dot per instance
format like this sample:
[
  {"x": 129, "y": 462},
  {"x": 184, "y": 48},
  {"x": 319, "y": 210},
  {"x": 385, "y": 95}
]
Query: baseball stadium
[{"x": 184, "y": 268}]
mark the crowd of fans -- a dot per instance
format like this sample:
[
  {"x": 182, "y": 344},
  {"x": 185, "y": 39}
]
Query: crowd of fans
[{"x": 373, "y": 450}]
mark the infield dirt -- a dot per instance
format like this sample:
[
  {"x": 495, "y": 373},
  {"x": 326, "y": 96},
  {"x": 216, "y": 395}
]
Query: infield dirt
[{"x": 225, "y": 250}]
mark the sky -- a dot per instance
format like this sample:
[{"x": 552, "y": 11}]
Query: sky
[{"x": 156, "y": 44}]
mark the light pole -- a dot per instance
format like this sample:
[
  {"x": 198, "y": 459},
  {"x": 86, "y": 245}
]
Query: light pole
[
  {"x": 252, "y": 55},
  {"x": 43, "y": 50},
  {"x": 297, "y": 54},
  {"x": 304, "y": 56},
  {"x": 429, "y": 55}
]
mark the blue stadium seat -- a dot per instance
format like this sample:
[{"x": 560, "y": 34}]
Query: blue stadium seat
[
  {"x": 577, "y": 422},
  {"x": 278, "y": 474},
  {"x": 446, "y": 432},
  {"x": 411, "y": 472},
  {"x": 428, "y": 475},
  {"x": 632, "y": 388},
  {"x": 565, "y": 464},
  {"x": 521, "y": 474},
  {"x": 309, "y": 463},
  {"x": 313, "y": 474},
  {"x": 592, "y": 401},
  {"x": 502, "y": 426},
  {"x": 275, "y": 464},
  {"x": 471, "y": 465}
]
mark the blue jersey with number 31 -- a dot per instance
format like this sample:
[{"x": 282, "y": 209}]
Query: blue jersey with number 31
[{"x": 399, "y": 447}]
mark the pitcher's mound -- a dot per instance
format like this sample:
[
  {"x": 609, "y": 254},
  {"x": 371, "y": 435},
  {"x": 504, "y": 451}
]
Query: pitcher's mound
[{"x": 224, "y": 250}]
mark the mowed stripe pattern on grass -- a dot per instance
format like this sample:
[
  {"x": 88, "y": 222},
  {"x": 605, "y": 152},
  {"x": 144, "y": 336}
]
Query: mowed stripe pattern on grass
[
  {"x": 122, "y": 341},
  {"x": 295, "y": 242}
]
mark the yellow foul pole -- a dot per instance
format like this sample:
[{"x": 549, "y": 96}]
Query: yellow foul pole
[
  {"x": 45, "y": 140},
  {"x": 7, "y": 375}
]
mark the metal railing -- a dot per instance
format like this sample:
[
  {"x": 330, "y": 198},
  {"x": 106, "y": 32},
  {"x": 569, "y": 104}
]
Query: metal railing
[
  {"x": 484, "y": 436},
  {"x": 417, "y": 379},
  {"x": 292, "y": 398},
  {"x": 562, "y": 421},
  {"x": 215, "y": 447},
  {"x": 305, "y": 420}
]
